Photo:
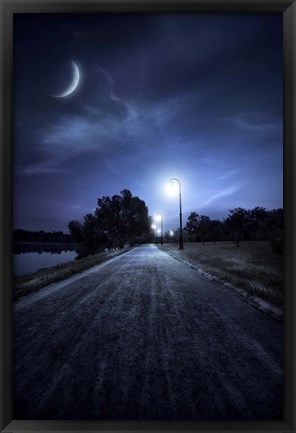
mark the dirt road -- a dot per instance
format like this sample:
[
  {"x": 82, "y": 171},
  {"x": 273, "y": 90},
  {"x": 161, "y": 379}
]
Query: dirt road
[{"x": 145, "y": 337}]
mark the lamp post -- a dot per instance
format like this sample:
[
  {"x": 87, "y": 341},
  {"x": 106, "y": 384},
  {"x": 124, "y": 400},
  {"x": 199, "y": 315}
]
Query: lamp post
[
  {"x": 172, "y": 181},
  {"x": 160, "y": 216}
]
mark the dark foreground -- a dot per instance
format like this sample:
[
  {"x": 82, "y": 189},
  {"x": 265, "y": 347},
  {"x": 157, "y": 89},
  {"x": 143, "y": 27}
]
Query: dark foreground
[{"x": 145, "y": 337}]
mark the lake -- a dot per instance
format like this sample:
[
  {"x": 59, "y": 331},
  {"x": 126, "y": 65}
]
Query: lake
[{"x": 28, "y": 258}]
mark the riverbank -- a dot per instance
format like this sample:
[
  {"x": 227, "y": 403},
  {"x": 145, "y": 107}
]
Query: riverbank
[
  {"x": 253, "y": 266},
  {"x": 25, "y": 284}
]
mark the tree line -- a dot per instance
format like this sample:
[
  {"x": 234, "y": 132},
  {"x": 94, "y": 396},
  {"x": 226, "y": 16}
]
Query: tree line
[
  {"x": 123, "y": 219},
  {"x": 241, "y": 224},
  {"x": 28, "y": 236}
]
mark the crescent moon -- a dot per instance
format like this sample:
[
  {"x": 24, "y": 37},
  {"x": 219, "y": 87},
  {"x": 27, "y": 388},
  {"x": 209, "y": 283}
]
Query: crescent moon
[{"x": 73, "y": 84}]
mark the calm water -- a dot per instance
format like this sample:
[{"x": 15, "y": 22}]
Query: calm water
[{"x": 27, "y": 260}]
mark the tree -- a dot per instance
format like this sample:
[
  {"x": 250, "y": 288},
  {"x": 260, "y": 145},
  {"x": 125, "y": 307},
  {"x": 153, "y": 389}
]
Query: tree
[
  {"x": 257, "y": 223},
  {"x": 204, "y": 228},
  {"x": 76, "y": 231},
  {"x": 192, "y": 226},
  {"x": 275, "y": 228},
  {"x": 136, "y": 222},
  {"x": 237, "y": 221},
  {"x": 124, "y": 218},
  {"x": 109, "y": 218},
  {"x": 274, "y": 223},
  {"x": 215, "y": 230},
  {"x": 117, "y": 220}
]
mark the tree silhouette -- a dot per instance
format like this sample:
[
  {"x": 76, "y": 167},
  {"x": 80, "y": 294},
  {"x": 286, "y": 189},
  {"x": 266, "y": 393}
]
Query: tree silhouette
[
  {"x": 237, "y": 221},
  {"x": 117, "y": 220},
  {"x": 241, "y": 224},
  {"x": 192, "y": 226},
  {"x": 76, "y": 231}
]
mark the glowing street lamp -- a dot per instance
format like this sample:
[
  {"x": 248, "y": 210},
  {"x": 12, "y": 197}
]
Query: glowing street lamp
[
  {"x": 160, "y": 218},
  {"x": 153, "y": 226},
  {"x": 172, "y": 182}
]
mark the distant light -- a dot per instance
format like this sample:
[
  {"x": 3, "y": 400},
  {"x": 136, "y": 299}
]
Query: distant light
[
  {"x": 172, "y": 233},
  {"x": 153, "y": 226},
  {"x": 158, "y": 216},
  {"x": 159, "y": 231}
]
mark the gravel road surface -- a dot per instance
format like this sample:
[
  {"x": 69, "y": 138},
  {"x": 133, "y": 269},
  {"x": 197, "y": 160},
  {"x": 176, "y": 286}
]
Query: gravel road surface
[{"x": 145, "y": 337}]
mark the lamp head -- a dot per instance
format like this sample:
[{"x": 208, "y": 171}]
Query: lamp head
[{"x": 175, "y": 185}]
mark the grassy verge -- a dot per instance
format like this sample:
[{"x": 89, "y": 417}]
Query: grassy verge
[
  {"x": 253, "y": 266},
  {"x": 25, "y": 284}
]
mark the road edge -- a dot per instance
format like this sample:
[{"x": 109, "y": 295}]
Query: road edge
[{"x": 260, "y": 304}]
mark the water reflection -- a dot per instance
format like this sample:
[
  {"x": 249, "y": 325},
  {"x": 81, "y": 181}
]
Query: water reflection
[
  {"x": 22, "y": 248},
  {"x": 28, "y": 258}
]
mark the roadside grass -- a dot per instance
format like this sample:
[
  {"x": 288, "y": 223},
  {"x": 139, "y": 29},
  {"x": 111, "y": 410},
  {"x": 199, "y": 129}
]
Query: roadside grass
[
  {"x": 253, "y": 266},
  {"x": 25, "y": 284}
]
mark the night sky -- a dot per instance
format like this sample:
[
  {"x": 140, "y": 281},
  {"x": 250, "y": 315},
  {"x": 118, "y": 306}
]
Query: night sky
[{"x": 192, "y": 96}]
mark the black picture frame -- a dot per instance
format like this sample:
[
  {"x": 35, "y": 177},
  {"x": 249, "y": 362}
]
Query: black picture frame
[{"x": 7, "y": 9}]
